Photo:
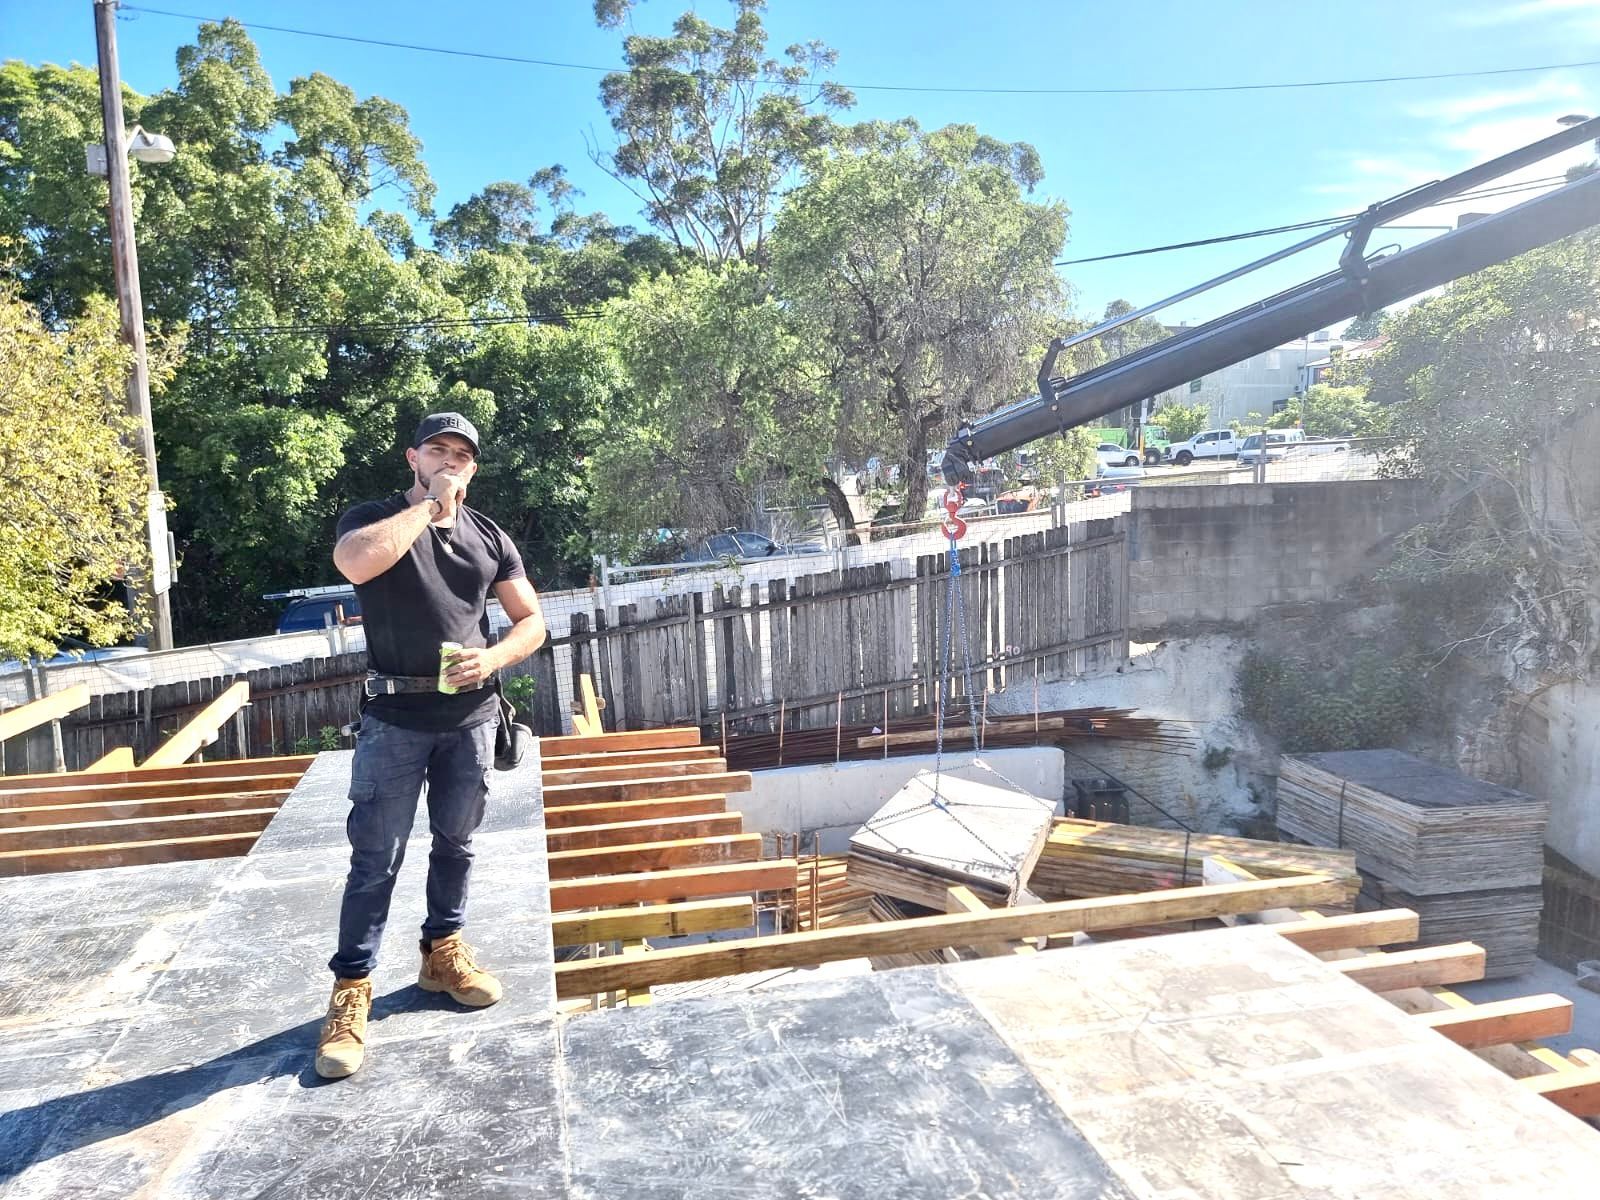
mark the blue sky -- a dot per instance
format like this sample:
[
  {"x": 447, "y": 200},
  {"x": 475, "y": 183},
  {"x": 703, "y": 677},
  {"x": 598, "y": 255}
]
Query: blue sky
[{"x": 1135, "y": 170}]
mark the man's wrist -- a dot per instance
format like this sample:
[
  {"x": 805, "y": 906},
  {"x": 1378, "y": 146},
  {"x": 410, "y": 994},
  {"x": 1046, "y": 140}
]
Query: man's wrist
[{"x": 438, "y": 504}]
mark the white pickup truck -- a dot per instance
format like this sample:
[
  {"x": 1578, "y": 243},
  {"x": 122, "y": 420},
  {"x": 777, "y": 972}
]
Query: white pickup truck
[
  {"x": 1209, "y": 443},
  {"x": 1275, "y": 445}
]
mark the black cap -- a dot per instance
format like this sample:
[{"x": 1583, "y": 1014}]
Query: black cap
[{"x": 446, "y": 422}]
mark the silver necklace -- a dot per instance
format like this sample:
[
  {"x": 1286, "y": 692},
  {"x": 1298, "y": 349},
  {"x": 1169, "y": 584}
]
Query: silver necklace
[{"x": 445, "y": 534}]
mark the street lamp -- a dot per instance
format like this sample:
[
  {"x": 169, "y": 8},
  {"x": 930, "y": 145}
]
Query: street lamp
[
  {"x": 114, "y": 153},
  {"x": 155, "y": 148}
]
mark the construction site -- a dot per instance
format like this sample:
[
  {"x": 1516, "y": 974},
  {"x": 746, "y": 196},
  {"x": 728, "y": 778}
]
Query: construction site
[
  {"x": 968, "y": 991},
  {"x": 1123, "y": 847}
]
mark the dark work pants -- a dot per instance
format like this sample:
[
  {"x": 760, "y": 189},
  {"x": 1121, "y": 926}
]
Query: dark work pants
[{"x": 391, "y": 765}]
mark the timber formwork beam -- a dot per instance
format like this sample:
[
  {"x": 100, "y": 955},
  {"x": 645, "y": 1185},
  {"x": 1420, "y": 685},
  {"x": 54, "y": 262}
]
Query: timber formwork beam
[{"x": 685, "y": 964}]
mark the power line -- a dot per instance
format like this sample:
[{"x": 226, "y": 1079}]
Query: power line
[
  {"x": 1481, "y": 194},
  {"x": 886, "y": 87},
  {"x": 425, "y": 324}
]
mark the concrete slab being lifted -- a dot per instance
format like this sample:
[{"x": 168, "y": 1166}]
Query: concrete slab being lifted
[{"x": 966, "y": 824}]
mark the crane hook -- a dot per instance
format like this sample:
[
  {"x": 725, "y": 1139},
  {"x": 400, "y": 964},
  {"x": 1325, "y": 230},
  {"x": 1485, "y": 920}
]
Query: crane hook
[{"x": 953, "y": 526}]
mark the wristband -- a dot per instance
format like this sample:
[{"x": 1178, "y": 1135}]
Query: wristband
[{"x": 435, "y": 500}]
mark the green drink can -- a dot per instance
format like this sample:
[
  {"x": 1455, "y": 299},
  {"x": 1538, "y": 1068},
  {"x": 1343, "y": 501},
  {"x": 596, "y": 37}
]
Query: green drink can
[{"x": 447, "y": 655}]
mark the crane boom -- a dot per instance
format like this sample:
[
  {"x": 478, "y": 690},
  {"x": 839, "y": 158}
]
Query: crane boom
[{"x": 1360, "y": 285}]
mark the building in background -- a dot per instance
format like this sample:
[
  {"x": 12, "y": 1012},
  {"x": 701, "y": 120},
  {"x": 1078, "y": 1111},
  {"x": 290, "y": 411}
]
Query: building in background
[
  {"x": 1261, "y": 384},
  {"x": 1317, "y": 370}
]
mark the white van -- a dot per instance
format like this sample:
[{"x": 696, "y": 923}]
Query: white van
[{"x": 1211, "y": 443}]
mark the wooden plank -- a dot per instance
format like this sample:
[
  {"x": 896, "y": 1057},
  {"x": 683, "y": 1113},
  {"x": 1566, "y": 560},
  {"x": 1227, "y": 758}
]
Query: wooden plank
[
  {"x": 124, "y": 854},
  {"x": 629, "y": 833},
  {"x": 654, "y": 856},
  {"x": 681, "y": 965},
  {"x": 622, "y": 772},
  {"x": 1429, "y": 966},
  {"x": 201, "y": 729},
  {"x": 578, "y": 815},
  {"x": 619, "y": 758},
  {"x": 634, "y": 739},
  {"x": 684, "y": 883},
  {"x": 19, "y": 720},
  {"x": 89, "y": 814},
  {"x": 1349, "y": 931},
  {"x": 962, "y": 899},
  {"x": 646, "y": 789},
  {"x": 582, "y": 728},
  {"x": 120, "y": 759},
  {"x": 1500, "y": 1022},
  {"x": 927, "y": 737},
  {"x": 1577, "y": 1090},
  {"x": 653, "y": 920},
  {"x": 137, "y": 829},
  {"x": 635, "y": 997},
  {"x": 591, "y": 706},
  {"x": 88, "y": 791}
]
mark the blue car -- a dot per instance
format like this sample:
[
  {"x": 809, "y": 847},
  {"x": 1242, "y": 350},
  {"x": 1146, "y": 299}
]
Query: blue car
[{"x": 312, "y": 609}]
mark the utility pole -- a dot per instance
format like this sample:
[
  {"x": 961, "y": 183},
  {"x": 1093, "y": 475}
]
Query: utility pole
[{"x": 125, "y": 266}]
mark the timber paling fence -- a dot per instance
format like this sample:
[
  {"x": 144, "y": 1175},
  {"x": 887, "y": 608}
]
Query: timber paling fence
[{"x": 856, "y": 645}]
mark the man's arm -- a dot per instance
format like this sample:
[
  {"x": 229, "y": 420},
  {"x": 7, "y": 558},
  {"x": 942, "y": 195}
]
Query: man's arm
[
  {"x": 369, "y": 551},
  {"x": 527, "y": 632},
  {"x": 470, "y": 667}
]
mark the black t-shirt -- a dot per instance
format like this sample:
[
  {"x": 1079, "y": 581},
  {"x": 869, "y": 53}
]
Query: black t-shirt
[{"x": 435, "y": 593}]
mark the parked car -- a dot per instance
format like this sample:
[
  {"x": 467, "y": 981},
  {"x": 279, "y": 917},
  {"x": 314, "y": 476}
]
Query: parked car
[
  {"x": 1276, "y": 444},
  {"x": 744, "y": 546},
  {"x": 1109, "y": 454},
  {"x": 316, "y": 608},
  {"x": 71, "y": 651},
  {"x": 1210, "y": 443}
]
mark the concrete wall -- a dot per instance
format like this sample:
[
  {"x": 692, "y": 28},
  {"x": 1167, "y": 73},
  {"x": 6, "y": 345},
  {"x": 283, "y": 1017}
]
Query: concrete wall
[
  {"x": 1558, "y": 758},
  {"x": 1215, "y": 555},
  {"x": 834, "y": 799}
]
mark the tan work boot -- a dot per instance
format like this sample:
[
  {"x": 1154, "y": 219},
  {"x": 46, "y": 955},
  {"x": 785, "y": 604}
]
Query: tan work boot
[
  {"x": 449, "y": 967},
  {"x": 343, "y": 1044}
]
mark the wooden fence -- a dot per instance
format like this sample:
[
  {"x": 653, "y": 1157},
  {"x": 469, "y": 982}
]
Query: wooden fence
[{"x": 857, "y": 645}]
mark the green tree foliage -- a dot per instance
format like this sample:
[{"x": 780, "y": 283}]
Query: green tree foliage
[
  {"x": 1326, "y": 411},
  {"x": 75, "y": 519},
  {"x": 716, "y": 407},
  {"x": 913, "y": 261},
  {"x": 1491, "y": 385},
  {"x": 1364, "y": 327},
  {"x": 282, "y": 239},
  {"x": 709, "y": 127},
  {"x": 1065, "y": 459},
  {"x": 1135, "y": 335},
  {"x": 1363, "y": 701},
  {"x": 1182, "y": 421}
]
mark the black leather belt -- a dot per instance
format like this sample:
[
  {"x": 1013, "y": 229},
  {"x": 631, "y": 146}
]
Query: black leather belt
[{"x": 394, "y": 685}]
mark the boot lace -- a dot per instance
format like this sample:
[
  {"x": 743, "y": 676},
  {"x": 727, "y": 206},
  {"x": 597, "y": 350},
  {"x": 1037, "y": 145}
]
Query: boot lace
[
  {"x": 454, "y": 961},
  {"x": 349, "y": 1007}
]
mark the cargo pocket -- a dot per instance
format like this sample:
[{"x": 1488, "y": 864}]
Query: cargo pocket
[{"x": 366, "y": 826}]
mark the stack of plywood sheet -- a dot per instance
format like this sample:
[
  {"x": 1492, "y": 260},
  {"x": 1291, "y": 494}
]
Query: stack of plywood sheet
[
  {"x": 1504, "y": 921},
  {"x": 1097, "y": 858},
  {"x": 966, "y": 825},
  {"x": 1467, "y": 855}
]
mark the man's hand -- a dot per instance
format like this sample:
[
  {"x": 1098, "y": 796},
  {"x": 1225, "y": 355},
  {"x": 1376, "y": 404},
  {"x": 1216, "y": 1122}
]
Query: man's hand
[
  {"x": 471, "y": 667},
  {"x": 449, "y": 490}
]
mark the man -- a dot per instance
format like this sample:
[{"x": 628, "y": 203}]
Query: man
[{"x": 423, "y": 564}]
